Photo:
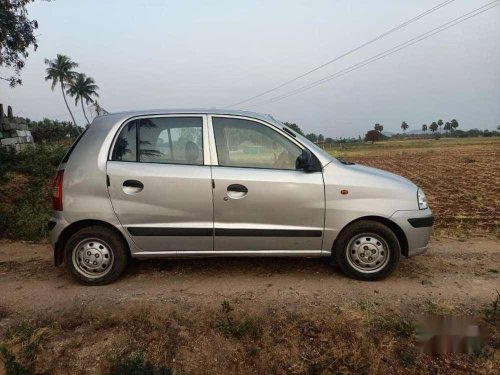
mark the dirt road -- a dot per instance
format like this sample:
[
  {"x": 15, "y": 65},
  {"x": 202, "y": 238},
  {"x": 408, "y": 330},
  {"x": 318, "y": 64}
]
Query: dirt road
[{"x": 459, "y": 273}]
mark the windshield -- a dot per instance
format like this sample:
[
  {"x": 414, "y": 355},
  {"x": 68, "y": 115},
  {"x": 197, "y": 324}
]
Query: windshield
[{"x": 310, "y": 145}]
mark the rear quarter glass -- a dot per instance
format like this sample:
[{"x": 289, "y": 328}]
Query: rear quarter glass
[{"x": 70, "y": 150}]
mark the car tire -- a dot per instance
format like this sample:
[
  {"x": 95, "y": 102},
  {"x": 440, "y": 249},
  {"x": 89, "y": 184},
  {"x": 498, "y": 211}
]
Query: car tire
[
  {"x": 367, "y": 250},
  {"x": 96, "y": 255}
]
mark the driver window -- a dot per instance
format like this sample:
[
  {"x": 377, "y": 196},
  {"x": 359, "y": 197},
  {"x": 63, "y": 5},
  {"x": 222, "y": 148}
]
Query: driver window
[{"x": 244, "y": 143}]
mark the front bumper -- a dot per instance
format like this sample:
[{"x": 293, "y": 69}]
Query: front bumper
[{"x": 417, "y": 226}]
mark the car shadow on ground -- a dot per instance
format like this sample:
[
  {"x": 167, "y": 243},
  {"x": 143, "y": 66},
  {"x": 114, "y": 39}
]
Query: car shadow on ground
[{"x": 241, "y": 266}]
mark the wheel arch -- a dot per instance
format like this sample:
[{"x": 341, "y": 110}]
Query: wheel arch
[
  {"x": 75, "y": 227},
  {"x": 396, "y": 229}
]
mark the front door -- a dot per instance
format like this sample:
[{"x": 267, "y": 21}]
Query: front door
[
  {"x": 261, "y": 202},
  {"x": 160, "y": 183}
]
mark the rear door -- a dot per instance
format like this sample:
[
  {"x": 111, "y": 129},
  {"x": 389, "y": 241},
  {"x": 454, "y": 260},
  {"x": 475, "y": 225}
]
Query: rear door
[
  {"x": 160, "y": 182},
  {"x": 261, "y": 202}
]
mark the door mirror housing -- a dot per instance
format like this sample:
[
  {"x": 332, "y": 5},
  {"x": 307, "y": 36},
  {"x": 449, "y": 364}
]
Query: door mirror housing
[{"x": 307, "y": 162}]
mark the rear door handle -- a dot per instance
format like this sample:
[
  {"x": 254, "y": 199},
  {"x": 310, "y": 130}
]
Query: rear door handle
[{"x": 132, "y": 186}]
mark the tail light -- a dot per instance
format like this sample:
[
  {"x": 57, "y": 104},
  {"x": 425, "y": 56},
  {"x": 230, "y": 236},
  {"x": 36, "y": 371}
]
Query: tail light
[{"x": 57, "y": 191}]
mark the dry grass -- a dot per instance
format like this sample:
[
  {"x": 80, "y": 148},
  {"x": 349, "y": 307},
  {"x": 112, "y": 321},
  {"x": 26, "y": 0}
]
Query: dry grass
[
  {"x": 461, "y": 177},
  {"x": 154, "y": 339}
]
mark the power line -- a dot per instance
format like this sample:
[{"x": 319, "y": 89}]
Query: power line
[
  {"x": 381, "y": 55},
  {"x": 400, "y": 26}
]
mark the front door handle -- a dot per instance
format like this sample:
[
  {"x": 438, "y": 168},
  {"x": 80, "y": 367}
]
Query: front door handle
[
  {"x": 132, "y": 186},
  {"x": 236, "y": 191},
  {"x": 237, "y": 188}
]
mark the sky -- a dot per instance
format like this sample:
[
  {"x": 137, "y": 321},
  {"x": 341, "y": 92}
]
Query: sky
[{"x": 211, "y": 54}]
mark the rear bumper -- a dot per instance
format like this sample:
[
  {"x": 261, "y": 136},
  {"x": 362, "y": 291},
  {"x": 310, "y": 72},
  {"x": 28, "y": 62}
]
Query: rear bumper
[
  {"x": 56, "y": 225},
  {"x": 417, "y": 226}
]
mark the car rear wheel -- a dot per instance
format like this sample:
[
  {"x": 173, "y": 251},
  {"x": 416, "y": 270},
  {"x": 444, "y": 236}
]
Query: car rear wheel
[
  {"x": 95, "y": 255},
  {"x": 367, "y": 250}
]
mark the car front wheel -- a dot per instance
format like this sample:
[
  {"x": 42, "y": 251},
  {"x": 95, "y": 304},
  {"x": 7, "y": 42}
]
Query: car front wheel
[
  {"x": 95, "y": 255},
  {"x": 367, "y": 250}
]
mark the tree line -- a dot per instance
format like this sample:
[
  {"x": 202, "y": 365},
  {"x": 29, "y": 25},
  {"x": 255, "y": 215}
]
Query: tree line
[
  {"x": 376, "y": 133},
  {"x": 433, "y": 127},
  {"x": 316, "y": 138}
]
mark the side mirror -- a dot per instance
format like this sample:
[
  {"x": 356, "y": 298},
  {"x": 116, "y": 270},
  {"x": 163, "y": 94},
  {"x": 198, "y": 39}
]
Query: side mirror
[{"x": 306, "y": 161}]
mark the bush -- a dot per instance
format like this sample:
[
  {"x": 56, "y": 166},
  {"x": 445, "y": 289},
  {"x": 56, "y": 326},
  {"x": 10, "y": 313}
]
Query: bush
[
  {"x": 53, "y": 130},
  {"x": 24, "y": 215},
  {"x": 374, "y": 136},
  {"x": 12, "y": 367},
  {"x": 137, "y": 365},
  {"x": 7, "y": 158},
  {"x": 492, "y": 313},
  {"x": 237, "y": 328}
]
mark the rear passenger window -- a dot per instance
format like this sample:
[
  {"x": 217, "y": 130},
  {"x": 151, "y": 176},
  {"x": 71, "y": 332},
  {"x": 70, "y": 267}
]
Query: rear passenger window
[
  {"x": 167, "y": 140},
  {"x": 177, "y": 140},
  {"x": 126, "y": 144}
]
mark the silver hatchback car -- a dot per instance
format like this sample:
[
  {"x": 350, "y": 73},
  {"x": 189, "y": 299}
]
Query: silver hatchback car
[{"x": 191, "y": 183}]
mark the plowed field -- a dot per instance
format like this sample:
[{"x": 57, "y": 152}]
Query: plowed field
[{"x": 461, "y": 179}]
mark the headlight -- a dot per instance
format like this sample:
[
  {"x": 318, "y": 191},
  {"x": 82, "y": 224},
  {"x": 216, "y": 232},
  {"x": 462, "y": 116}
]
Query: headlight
[{"x": 422, "y": 200}]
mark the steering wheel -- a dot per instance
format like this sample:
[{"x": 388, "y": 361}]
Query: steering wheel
[{"x": 284, "y": 161}]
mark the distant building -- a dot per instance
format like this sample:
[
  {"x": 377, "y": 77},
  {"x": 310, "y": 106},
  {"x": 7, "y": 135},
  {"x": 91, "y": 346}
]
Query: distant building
[{"x": 13, "y": 132}]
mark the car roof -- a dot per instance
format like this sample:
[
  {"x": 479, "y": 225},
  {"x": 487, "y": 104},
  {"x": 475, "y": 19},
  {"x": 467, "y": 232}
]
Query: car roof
[{"x": 210, "y": 111}]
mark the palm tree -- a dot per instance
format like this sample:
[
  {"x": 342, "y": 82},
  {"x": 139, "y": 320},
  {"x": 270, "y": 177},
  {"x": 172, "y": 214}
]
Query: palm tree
[
  {"x": 404, "y": 126},
  {"x": 60, "y": 70},
  {"x": 447, "y": 127},
  {"x": 424, "y": 128},
  {"x": 96, "y": 107},
  {"x": 433, "y": 126},
  {"x": 440, "y": 123},
  {"x": 83, "y": 88}
]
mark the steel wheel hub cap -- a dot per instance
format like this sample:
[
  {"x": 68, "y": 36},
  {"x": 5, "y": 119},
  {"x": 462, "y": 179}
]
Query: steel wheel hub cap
[
  {"x": 92, "y": 258},
  {"x": 367, "y": 252}
]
